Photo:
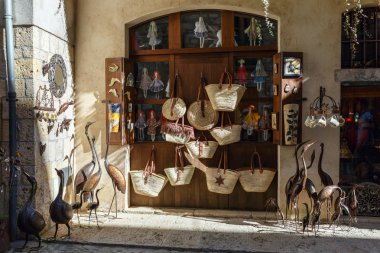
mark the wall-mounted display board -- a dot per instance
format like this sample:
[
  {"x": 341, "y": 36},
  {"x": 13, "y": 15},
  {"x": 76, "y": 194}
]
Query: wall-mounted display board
[
  {"x": 204, "y": 44},
  {"x": 287, "y": 101}
]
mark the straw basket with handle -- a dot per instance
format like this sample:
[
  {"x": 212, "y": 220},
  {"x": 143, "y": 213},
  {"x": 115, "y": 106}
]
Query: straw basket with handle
[
  {"x": 179, "y": 175},
  {"x": 200, "y": 114},
  {"x": 225, "y": 97},
  {"x": 146, "y": 182},
  {"x": 174, "y": 108},
  {"x": 219, "y": 180},
  {"x": 256, "y": 179},
  {"x": 225, "y": 135},
  {"x": 202, "y": 148},
  {"x": 177, "y": 133}
]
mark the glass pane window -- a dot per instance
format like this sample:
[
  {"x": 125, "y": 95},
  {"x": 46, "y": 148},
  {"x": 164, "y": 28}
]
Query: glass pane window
[
  {"x": 201, "y": 29},
  {"x": 254, "y": 31},
  {"x": 152, "y": 35},
  {"x": 152, "y": 80}
]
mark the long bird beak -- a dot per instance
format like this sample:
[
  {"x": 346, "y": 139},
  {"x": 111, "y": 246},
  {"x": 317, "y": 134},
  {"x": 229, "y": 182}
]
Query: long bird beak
[
  {"x": 88, "y": 125},
  {"x": 306, "y": 147}
]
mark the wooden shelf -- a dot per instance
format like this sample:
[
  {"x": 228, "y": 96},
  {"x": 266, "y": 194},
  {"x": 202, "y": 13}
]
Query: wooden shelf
[{"x": 152, "y": 101}]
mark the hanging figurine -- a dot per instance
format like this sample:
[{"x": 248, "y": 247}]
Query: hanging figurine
[
  {"x": 242, "y": 73},
  {"x": 250, "y": 120},
  {"x": 259, "y": 75},
  {"x": 253, "y": 31},
  {"x": 219, "y": 36},
  {"x": 265, "y": 125},
  {"x": 152, "y": 124},
  {"x": 145, "y": 81},
  {"x": 140, "y": 125},
  {"x": 153, "y": 35},
  {"x": 200, "y": 31},
  {"x": 157, "y": 85}
]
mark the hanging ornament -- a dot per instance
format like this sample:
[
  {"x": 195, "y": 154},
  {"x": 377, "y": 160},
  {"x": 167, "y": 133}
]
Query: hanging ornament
[
  {"x": 130, "y": 80},
  {"x": 259, "y": 75},
  {"x": 200, "y": 31},
  {"x": 153, "y": 35},
  {"x": 242, "y": 73}
]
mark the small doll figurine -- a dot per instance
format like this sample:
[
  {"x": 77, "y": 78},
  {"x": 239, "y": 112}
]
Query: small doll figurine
[
  {"x": 145, "y": 81},
  {"x": 259, "y": 75},
  {"x": 250, "y": 120},
  {"x": 140, "y": 125},
  {"x": 153, "y": 35},
  {"x": 219, "y": 36},
  {"x": 265, "y": 125},
  {"x": 157, "y": 85},
  {"x": 152, "y": 124},
  {"x": 200, "y": 31},
  {"x": 252, "y": 31},
  {"x": 242, "y": 73}
]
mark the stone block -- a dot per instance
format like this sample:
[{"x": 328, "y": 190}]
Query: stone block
[
  {"x": 3, "y": 87},
  {"x": 20, "y": 87},
  {"x": 59, "y": 150},
  {"x": 5, "y": 129},
  {"x": 24, "y": 107},
  {"x": 36, "y": 37},
  {"x": 27, "y": 153},
  {"x": 44, "y": 41},
  {"x": 54, "y": 44},
  {"x": 29, "y": 88},
  {"x": 51, "y": 148},
  {"x": 18, "y": 53},
  {"x": 26, "y": 129},
  {"x": 23, "y": 36},
  {"x": 37, "y": 68},
  {"x": 24, "y": 68},
  {"x": 27, "y": 52}
]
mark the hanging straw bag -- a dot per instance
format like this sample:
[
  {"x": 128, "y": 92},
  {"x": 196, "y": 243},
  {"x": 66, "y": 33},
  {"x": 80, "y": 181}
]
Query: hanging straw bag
[
  {"x": 179, "y": 175},
  {"x": 202, "y": 149},
  {"x": 200, "y": 114},
  {"x": 174, "y": 108},
  {"x": 219, "y": 180},
  {"x": 146, "y": 182},
  {"x": 178, "y": 133},
  {"x": 225, "y": 97},
  {"x": 225, "y": 135},
  {"x": 256, "y": 179}
]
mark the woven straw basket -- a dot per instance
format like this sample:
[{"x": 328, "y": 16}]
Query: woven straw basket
[
  {"x": 225, "y": 97},
  {"x": 200, "y": 114},
  {"x": 174, "y": 108},
  {"x": 179, "y": 175},
  {"x": 225, "y": 135},
  {"x": 202, "y": 149},
  {"x": 256, "y": 180},
  {"x": 178, "y": 133},
  {"x": 219, "y": 180},
  {"x": 146, "y": 182}
]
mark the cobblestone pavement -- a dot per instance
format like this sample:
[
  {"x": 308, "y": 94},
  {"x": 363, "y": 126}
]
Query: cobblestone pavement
[{"x": 133, "y": 232}]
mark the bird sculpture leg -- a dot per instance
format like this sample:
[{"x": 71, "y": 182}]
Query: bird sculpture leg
[
  {"x": 78, "y": 217},
  {"x": 116, "y": 200},
  {"x": 68, "y": 228},
  {"x": 114, "y": 194},
  {"x": 96, "y": 216},
  {"x": 89, "y": 216},
  {"x": 56, "y": 231},
  {"x": 26, "y": 241},
  {"x": 39, "y": 243}
]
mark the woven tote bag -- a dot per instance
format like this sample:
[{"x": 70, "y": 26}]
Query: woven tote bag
[
  {"x": 174, "y": 108},
  {"x": 178, "y": 133},
  {"x": 219, "y": 180},
  {"x": 225, "y": 97},
  {"x": 225, "y": 135},
  {"x": 256, "y": 179},
  {"x": 146, "y": 182},
  {"x": 202, "y": 148},
  {"x": 201, "y": 114},
  {"x": 179, "y": 175}
]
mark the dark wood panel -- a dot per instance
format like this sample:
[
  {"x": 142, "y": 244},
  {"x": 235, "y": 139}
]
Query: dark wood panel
[{"x": 175, "y": 31}]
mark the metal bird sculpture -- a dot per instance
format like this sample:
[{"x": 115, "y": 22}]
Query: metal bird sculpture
[
  {"x": 88, "y": 169},
  {"x": 29, "y": 220},
  {"x": 271, "y": 205},
  {"x": 291, "y": 181},
  {"x": 94, "y": 179},
  {"x": 93, "y": 206},
  {"x": 326, "y": 180},
  {"x": 77, "y": 205},
  {"x": 117, "y": 177},
  {"x": 305, "y": 220},
  {"x": 353, "y": 203},
  {"x": 60, "y": 211}
]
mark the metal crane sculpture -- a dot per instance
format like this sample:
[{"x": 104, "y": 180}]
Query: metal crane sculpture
[
  {"x": 29, "y": 220},
  {"x": 296, "y": 176},
  {"x": 311, "y": 191},
  {"x": 88, "y": 169},
  {"x": 77, "y": 205},
  {"x": 93, "y": 206},
  {"x": 306, "y": 219},
  {"x": 93, "y": 181},
  {"x": 300, "y": 184},
  {"x": 339, "y": 206},
  {"x": 271, "y": 205},
  {"x": 326, "y": 180},
  {"x": 60, "y": 211},
  {"x": 353, "y": 203},
  {"x": 117, "y": 177}
]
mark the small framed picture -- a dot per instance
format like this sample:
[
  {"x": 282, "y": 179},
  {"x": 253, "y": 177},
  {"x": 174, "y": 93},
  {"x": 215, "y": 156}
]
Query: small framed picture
[
  {"x": 292, "y": 67},
  {"x": 275, "y": 92},
  {"x": 274, "y": 120}
]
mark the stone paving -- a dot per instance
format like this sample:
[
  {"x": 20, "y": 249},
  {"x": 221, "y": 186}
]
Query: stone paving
[{"x": 134, "y": 232}]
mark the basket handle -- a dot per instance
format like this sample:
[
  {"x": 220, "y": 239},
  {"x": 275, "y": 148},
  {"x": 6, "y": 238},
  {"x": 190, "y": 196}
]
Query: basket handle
[
  {"x": 255, "y": 153},
  {"x": 202, "y": 95},
  {"x": 178, "y": 153},
  {"x": 229, "y": 78},
  {"x": 229, "y": 120},
  {"x": 173, "y": 93},
  {"x": 225, "y": 161},
  {"x": 150, "y": 165}
]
